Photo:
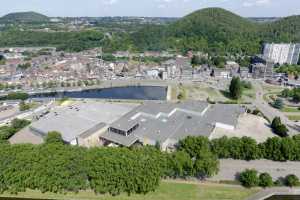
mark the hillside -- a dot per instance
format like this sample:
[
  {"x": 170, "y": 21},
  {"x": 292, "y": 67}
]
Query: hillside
[
  {"x": 24, "y": 17},
  {"x": 217, "y": 30},
  {"x": 284, "y": 30},
  {"x": 211, "y": 22}
]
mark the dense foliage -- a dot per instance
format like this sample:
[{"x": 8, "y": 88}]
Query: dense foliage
[
  {"x": 292, "y": 180},
  {"x": 217, "y": 31},
  {"x": 278, "y": 103},
  {"x": 279, "y": 128},
  {"x": 293, "y": 94},
  {"x": 24, "y": 17},
  {"x": 16, "y": 96},
  {"x": 249, "y": 178},
  {"x": 7, "y": 131},
  {"x": 67, "y": 41},
  {"x": 212, "y": 30},
  {"x": 289, "y": 69},
  {"x": 265, "y": 180},
  {"x": 236, "y": 88},
  {"x": 245, "y": 148},
  {"x": 57, "y": 167}
]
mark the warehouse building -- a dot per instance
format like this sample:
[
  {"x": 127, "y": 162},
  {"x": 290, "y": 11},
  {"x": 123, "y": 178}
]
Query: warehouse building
[
  {"x": 80, "y": 123},
  {"x": 167, "y": 123},
  {"x": 115, "y": 124}
]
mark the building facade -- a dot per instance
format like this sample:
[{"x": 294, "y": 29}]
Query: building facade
[{"x": 282, "y": 53}]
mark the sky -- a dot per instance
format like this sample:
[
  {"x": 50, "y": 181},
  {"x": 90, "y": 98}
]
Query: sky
[{"x": 150, "y": 8}]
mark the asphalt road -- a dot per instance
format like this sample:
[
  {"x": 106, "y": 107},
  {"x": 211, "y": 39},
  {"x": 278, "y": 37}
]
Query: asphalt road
[{"x": 271, "y": 112}]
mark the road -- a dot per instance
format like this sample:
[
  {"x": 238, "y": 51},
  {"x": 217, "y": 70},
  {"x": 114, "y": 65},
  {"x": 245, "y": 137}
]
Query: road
[
  {"x": 271, "y": 112},
  {"x": 230, "y": 168}
]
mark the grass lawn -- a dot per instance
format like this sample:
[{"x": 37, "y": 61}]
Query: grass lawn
[
  {"x": 167, "y": 191},
  {"x": 290, "y": 109},
  {"x": 251, "y": 93},
  {"x": 294, "y": 117},
  {"x": 271, "y": 88}
]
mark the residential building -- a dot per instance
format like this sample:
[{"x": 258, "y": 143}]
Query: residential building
[{"x": 282, "y": 53}]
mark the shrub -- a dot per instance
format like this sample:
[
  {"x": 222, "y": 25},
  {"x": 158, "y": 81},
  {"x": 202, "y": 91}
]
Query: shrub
[
  {"x": 265, "y": 180},
  {"x": 280, "y": 182},
  {"x": 278, "y": 104},
  {"x": 249, "y": 178},
  {"x": 246, "y": 84},
  {"x": 291, "y": 180},
  {"x": 54, "y": 138},
  {"x": 279, "y": 128},
  {"x": 256, "y": 112}
]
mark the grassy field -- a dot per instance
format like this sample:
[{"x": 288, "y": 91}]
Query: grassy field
[
  {"x": 290, "y": 109},
  {"x": 294, "y": 117},
  {"x": 202, "y": 92},
  {"x": 167, "y": 191}
]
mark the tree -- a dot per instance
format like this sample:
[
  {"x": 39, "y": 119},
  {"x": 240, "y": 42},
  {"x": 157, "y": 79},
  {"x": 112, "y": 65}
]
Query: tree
[
  {"x": 24, "y": 106},
  {"x": 18, "y": 124},
  {"x": 286, "y": 93},
  {"x": 278, "y": 103},
  {"x": 249, "y": 149},
  {"x": 292, "y": 180},
  {"x": 194, "y": 146},
  {"x": 181, "y": 164},
  {"x": 249, "y": 178},
  {"x": 279, "y": 128},
  {"x": 265, "y": 180},
  {"x": 17, "y": 96},
  {"x": 54, "y": 137},
  {"x": 206, "y": 165},
  {"x": 246, "y": 85},
  {"x": 235, "y": 88}
]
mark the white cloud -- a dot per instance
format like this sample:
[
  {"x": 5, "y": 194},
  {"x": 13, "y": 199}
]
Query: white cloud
[
  {"x": 110, "y": 2},
  {"x": 251, "y": 3}
]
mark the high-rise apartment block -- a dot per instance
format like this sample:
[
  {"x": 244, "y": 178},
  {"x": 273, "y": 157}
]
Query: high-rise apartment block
[{"x": 282, "y": 53}]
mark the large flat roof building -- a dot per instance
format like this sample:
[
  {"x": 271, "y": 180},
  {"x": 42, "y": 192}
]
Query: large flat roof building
[
  {"x": 80, "y": 120},
  {"x": 118, "y": 124},
  {"x": 167, "y": 123}
]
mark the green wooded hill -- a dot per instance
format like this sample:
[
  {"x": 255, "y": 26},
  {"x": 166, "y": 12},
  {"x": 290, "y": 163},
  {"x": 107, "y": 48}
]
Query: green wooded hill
[
  {"x": 217, "y": 30},
  {"x": 24, "y": 17},
  {"x": 212, "y": 30}
]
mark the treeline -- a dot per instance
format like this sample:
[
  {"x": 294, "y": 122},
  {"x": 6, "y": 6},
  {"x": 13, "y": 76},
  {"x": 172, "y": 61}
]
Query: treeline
[
  {"x": 66, "y": 41},
  {"x": 213, "y": 30},
  {"x": 293, "y": 94},
  {"x": 60, "y": 168},
  {"x": 15, "y": 96},
  {"x": 250, "y": 178},
  {"x": 7, "y": 131},
  {"x": 245, "y": 148},
  {"x": 289, "y": 70},
  {"x": 218, "y": 32},
  {"x": 56, "y": 167}
]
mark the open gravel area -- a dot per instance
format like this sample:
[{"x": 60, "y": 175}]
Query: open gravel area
[{"x": 248, "y": 125}]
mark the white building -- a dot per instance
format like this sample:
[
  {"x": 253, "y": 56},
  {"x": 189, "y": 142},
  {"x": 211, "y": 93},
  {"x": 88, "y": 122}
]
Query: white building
[{"x": 282, "y": 53}]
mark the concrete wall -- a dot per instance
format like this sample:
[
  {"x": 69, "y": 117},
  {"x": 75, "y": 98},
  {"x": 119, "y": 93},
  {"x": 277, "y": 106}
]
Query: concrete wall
[{"x": 92, "y": 140}]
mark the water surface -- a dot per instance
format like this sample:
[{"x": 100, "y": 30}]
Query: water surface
[{"x": 130, "y": 92}]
